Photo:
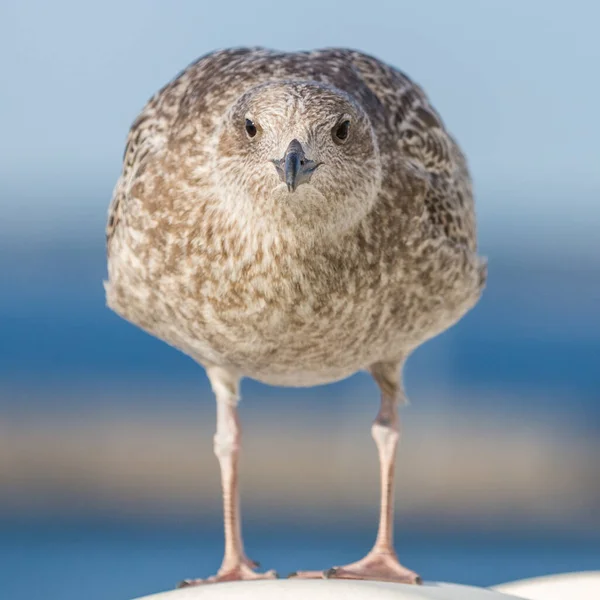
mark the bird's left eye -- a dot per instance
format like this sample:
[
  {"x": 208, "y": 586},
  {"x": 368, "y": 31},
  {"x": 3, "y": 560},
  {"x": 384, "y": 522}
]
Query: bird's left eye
[
  {"x": 341, "y": 131},
  {"x": 251, "y": 128}
]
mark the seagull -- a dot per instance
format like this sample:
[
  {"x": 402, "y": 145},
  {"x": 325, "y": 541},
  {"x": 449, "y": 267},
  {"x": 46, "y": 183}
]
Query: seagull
[{"x": 294, "y": 218}]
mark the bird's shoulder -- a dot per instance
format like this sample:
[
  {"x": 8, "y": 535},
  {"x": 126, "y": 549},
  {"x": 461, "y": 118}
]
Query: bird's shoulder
[{"x": 148, "y": 133}]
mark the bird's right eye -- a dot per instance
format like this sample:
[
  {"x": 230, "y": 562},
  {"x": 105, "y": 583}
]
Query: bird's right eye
[{"x": 251, "y": 128}]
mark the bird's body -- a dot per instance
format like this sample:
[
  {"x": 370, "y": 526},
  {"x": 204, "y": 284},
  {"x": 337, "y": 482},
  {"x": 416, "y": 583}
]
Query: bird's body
[
  {"x": 343, "y": 255},
  {"x": 242, "y": 292}
]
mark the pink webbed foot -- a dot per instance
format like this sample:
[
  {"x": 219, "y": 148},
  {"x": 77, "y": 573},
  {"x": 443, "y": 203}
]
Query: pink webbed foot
[
  {"x": 240, "y": 572},
  {"x": 376, "y": 566}
]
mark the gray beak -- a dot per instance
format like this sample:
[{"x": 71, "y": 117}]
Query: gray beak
[{"x": 294, "y": 168}]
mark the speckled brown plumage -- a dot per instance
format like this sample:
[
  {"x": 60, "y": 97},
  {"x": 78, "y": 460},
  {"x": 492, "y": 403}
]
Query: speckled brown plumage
[{"x": 209, "y": 251}]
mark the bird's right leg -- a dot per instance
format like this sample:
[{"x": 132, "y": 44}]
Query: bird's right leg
[{"x": 235, "y": 566}]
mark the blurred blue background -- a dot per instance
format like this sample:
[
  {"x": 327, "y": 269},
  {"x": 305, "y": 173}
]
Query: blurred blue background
[{"x": 107, "y": 478}]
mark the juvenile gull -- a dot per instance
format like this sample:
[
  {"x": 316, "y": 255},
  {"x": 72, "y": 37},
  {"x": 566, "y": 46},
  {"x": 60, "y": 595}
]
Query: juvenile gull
[{"x": 294, "y": 218}]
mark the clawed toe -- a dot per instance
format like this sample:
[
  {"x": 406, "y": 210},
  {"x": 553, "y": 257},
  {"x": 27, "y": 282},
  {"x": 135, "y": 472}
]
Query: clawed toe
[
  {"x": 241, "y": 572},
  {"x": 375, "y": 567}
]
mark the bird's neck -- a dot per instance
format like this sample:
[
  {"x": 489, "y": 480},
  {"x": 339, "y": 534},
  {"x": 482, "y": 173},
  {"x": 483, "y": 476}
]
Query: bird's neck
[{"x": 273, "y": 230}]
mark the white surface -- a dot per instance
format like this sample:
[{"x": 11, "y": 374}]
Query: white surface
[
  {"x": 568, "y": 586},
  {"x": 328, "y": 589}
]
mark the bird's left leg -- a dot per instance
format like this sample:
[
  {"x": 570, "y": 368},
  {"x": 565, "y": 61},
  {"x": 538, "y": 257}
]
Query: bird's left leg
[
  {"x": 235, "y": 566},
  {"x": 381, "y": 563}
]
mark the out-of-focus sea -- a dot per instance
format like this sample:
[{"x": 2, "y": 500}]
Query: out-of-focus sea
[{"x": 536, "y": 328}]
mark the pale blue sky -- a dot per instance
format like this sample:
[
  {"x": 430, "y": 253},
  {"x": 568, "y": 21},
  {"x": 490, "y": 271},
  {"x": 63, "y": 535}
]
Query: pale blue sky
[{"x": 517, "y": 82}]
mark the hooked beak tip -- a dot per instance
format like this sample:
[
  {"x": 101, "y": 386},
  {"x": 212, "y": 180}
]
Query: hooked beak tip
[{"x": 294, "y": 168}]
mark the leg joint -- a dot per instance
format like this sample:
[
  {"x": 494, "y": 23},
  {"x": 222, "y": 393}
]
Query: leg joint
[
  {"x": 226, "y": 444},
  {"x": 385, "y": 434}
]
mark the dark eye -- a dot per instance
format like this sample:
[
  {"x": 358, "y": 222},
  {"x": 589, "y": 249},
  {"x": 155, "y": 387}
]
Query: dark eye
[
  {"x": 340, "y": 131},
  {"x": 250, "y": 128}
]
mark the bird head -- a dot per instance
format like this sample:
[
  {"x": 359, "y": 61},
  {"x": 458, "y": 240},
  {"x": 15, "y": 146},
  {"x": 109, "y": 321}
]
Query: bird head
[{"x": 300, "y": 152}]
